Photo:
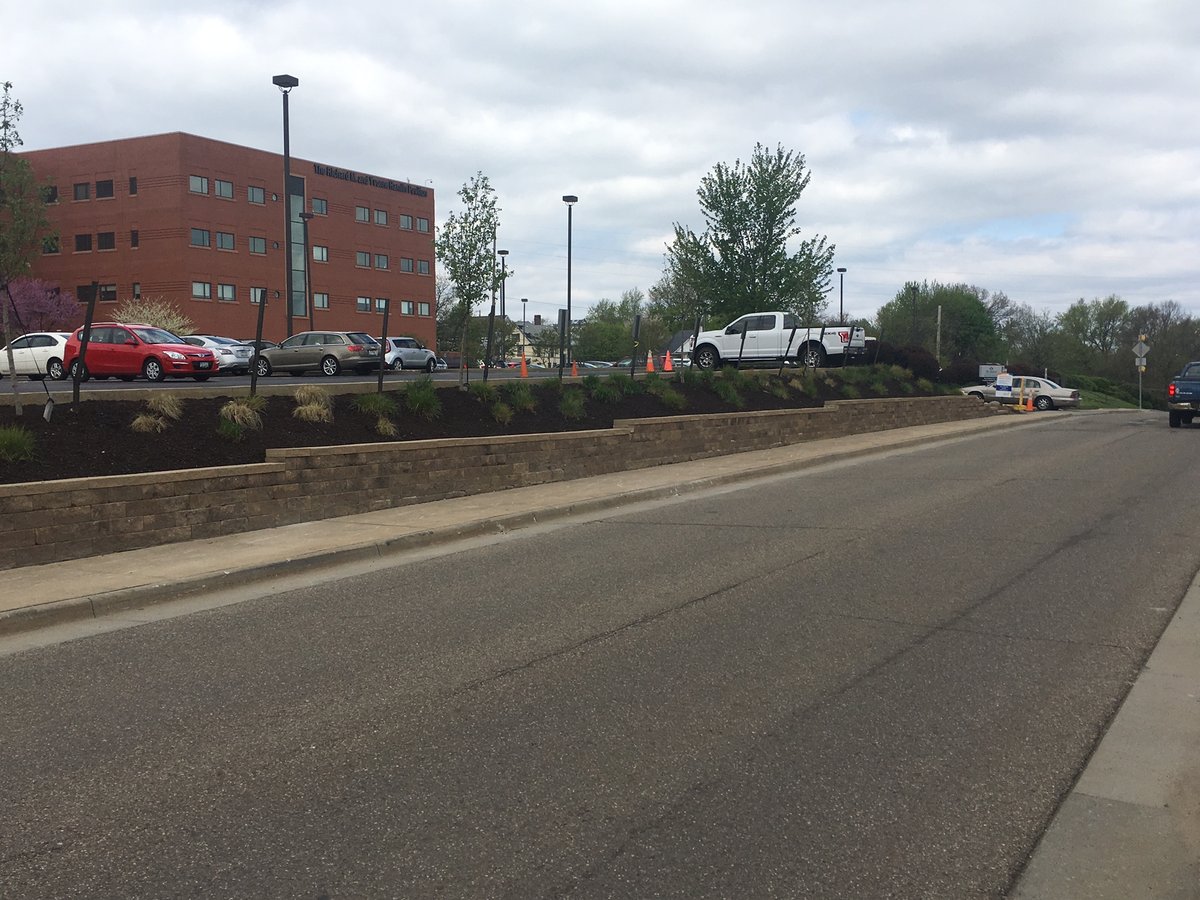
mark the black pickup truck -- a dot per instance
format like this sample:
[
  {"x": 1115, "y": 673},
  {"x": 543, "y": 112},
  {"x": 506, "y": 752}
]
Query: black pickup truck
[{"x": 1183, "y": 396}]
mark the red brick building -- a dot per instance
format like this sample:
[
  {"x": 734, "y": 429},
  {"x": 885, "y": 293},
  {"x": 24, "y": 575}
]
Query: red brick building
[{"x": 201, "y": 223}]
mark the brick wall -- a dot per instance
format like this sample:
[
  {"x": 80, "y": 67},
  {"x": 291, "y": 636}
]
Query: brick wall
[{"x": 46, "y": 522}]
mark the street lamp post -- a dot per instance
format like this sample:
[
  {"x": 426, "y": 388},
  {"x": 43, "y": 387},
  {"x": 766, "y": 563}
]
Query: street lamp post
[
  {"x": 503, "y": 254},
  {"x": 524, "y": 325},
  {"x": 570, "y": 200},
  {"x": 285, "y": 83},
  {"x": 306, "y": 217},
  {"x": 841, "y": 295}
]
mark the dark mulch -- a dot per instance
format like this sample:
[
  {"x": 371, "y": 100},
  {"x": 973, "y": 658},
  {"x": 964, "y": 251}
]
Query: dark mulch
[{"x": 97, "y": 438}]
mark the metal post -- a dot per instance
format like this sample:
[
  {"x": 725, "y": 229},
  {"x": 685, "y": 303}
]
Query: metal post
[
  {"x": 262, "y": 303},
  {"x": 387, "y": 309},
  {"x": 312, "y": 322},
  {"x": 285, "y": 83},
  {"x": 503, "y": 316},
  {"x": 570, "y": 200},
  {"x": 841, "y": 295}
]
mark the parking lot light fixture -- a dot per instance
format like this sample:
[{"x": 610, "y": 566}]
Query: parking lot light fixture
[
  {"x": 841, "y": 295},
  {"x": 285, "y": 83},
  {"x": 570, "y": 200}
]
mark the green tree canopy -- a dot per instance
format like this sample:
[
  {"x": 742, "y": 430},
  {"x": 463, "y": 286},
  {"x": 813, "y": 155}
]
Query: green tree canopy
[
  {"x": 747, "y": 258},
  {"x": 968, "y": 329}
]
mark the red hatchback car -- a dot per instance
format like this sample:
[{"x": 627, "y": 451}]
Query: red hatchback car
[{"x": 128, "y": 351}]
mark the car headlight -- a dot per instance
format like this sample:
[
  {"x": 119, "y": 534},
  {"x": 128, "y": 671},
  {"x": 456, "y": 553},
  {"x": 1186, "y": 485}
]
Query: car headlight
[{"x": 174, "y": 354}]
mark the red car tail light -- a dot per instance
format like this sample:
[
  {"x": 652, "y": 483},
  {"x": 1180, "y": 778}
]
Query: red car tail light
[
  {"x": 1171, "y": 389},
  {"x": 354, "y": 348}
]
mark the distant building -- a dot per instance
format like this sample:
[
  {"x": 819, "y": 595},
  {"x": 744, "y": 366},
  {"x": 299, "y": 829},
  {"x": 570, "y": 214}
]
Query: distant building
[{"x": 200, "y": 222}]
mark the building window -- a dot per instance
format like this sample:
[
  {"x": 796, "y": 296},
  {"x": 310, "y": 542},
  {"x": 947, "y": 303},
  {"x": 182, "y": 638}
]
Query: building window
[
  {"x": 226, "y": 293},
  {"x": 422, "y": 225},
  {"x": 137, "y": 290},
  {"x": 320, "y": 253},
  {"x": 223, "y": 189},
  {"x": 108, "y": 293},
  {"x": 197, "y": 184},
  {"x": 201, "y": 238},
  {"x": 50, "y": 193},
  {"x": 380, "y": 304},
  {"x": 381, "y": 261},
  {"x": 104, "y": 189},
  {"x": 83, "y": 243},
  {"x": 258, "y": 295},
  {"x": 258, "y": 245},
  {"x": 422, "y": 309},
  {"x": 381, "y": 217},
  {"x": 106, "y": 240},
  {"x": 133, "y": 186},
  {"x": 406, "y": 264},
  {"x": 422, "y": 267},
  {"x": 406, "y": 307},
  {"x": 406, "y": 222},
  {"x": 201, "y": 290},
  {"x": 133, "y": 238},
  {"x": 225, "y": 240},
  {"x": 51, "y": 245},
  {"x": 320, "y": 301},
  {"x": 256, "y": 194},
  {"x": 83, "y": 191},
  {"x": 362, "y": 258},
  {"x": 362, "y": 214},
  {"x": 363, "y": 304},
  {"x": 320, "y": 206}
]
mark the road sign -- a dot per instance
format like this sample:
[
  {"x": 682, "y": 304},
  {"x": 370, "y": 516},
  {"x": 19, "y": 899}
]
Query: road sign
[
  {"x": 1140, "y": 362},
  {"x": 1141, "y": 348}
]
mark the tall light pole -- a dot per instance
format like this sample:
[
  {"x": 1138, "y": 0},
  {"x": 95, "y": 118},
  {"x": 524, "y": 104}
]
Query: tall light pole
[
  {"x": 524, "y": 325},
  {"x": 503, "y": 254},
  {"x": 841, "y": 295},
  {"x": 570, "y": 200},
  {"x": 285, "y": 83}
]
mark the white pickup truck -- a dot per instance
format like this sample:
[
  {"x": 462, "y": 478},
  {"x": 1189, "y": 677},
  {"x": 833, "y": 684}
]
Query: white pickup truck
[{"x": 776, "y": 337}]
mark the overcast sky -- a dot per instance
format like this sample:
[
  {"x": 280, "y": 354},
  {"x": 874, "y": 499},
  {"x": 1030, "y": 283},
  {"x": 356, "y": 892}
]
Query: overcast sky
[{"x": 1049, "y": 150}]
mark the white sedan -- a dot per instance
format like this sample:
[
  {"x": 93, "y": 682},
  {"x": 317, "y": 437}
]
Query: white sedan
[
  {"x": 1046, "y": 394},
  {"x": 37, "y": 355},
  {"x": 232, "y": 356}
]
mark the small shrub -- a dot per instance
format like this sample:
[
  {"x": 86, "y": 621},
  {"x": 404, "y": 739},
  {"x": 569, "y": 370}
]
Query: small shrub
[
  {"x": 925, "y": 385},
  {"x": 851, "y": 392},
  {"x": 694, "y": 377},
  {"x": 571, "y": 404},
  {"x": 256, "y": 402},
  {"x": 879, "y": 386},
  {"x": 168, "y": 406},
  {"x": 312, "y": 395},
  {"x": 858, "y": 374},
  {"x": 17, "y": 444},
  {"x": 502, "y": 412},
  {"x": 483, "y": 392},
  {"x": 148, "y": 423},
  {"x": 241, "y": 414},
  {"x": 672, "y": 399},
  {"x": 626, "y": 384},
  {"x": 727, "y": 391},
  {"x": 777, "y": 388},
  {"x": 313, "y": 412},
  {"x": 898, "y": 373},
  {"x": 230, "y": 430},
  {"x": 520, "y": 396},
  {"x": 386, "y": 427},
  {"x": 800, "y": 385},
  {"x": 590, "y": 383},
  {"x": 421, "y": 398},
  {"x": 605, "y": 393},
  {"x": 375, "y": 404}
]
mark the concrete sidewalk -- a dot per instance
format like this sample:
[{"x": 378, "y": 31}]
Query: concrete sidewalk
[{"x": 1130, "y": 828}]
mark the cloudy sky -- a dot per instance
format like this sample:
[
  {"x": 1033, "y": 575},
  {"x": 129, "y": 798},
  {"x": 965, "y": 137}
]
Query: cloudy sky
[{"x": 1049, "y": 150}]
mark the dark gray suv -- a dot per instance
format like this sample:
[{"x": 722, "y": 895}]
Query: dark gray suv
[{"x": 326, "y": 351}]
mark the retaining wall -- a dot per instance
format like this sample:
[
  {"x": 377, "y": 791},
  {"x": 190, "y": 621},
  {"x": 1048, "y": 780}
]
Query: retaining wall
[{"x": 45, "y": 522}]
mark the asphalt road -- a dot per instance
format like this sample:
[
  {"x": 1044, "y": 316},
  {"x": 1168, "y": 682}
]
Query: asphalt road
[{"x": 871, "y": 679}]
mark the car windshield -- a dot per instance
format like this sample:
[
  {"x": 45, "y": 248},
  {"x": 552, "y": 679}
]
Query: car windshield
[{"x": 157, "y": 336}]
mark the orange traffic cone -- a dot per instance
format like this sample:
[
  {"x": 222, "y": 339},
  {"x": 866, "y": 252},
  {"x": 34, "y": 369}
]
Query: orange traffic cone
[
  {"x": 524, "y": 365},
  {"x": 1029, "y": 403},
  {"x": 650, "y": 362},
  {"x": 667, "y": 366},
  {"x": 574, "y": 369}
]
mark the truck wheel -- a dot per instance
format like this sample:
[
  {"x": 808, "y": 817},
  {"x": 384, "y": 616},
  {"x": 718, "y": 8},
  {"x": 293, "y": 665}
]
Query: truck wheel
[
  {"x": 1174, "y": 419},
  {"x": 706, "y": 358},
  {"x": 813, "y": 356}
]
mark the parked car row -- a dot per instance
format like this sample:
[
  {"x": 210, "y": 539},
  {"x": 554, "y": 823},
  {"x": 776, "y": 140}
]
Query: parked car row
[{"x": 128, "y": 351}]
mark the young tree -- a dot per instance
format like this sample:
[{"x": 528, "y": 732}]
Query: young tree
[
  {"x": 742, "y": 261},
  {"x": 155, "y": 311},
  {"x": 23, "y": 222},
  {"x": 465, "y": 248}
]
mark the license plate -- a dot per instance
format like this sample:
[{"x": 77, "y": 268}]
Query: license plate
[{"x": 202, "y": 365}]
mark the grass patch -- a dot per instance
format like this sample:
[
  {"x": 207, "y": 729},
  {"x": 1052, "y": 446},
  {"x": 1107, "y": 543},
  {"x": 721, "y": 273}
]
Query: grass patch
[
  {"x": 727, "y": 390},
  {"x": 571, "y": 405},
  {"x": 777, "y": 388},
  {"x": 311, "y": 395},
  {"x": 385, "y": 426},
  {"x": 375, "y": 404},
  {"x": 502, "y": 412},
  {"x": 483, "y": 392},
  {"x": 313, "y": 412},
  {"x": 421, "y": 398},
  {"x": 626, "y": 384},
  {"x": 519, "y": 396},
  {"x": 17, "y": 444},
  {"x": 166, "y": 406},
  {"x": 925, "y": 385},
  {"x": 148, "y": 423},
  {"x": 1099, "y": 400},
  {"x": 671, "y": 398},
  {"x": 851, "y": 391},
  {"x": 246, "y": 416}
]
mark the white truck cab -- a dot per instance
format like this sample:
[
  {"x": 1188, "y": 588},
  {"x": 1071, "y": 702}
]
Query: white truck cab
[{"x": 776, "y": 337}]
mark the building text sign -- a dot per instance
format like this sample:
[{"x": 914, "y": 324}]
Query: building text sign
[{"x": 358, "y": 178}]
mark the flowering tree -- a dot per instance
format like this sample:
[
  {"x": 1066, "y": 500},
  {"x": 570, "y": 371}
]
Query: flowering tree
[{"x": 40, "y": 306}]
